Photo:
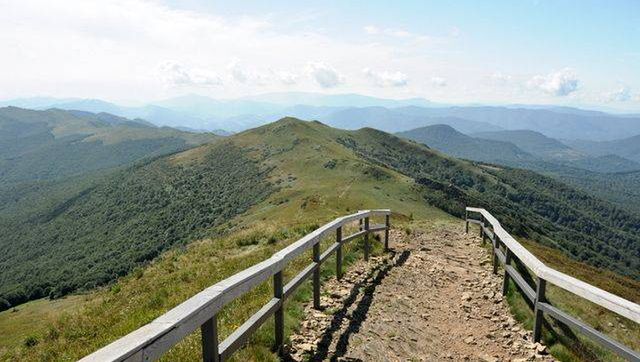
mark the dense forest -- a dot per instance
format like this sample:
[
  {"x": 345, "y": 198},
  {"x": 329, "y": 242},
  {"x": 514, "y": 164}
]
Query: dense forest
[
  {"x": 104, "y": 231},
  {"x": 527, "y": 203}
]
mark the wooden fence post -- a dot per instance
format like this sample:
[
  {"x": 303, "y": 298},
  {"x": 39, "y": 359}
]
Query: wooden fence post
[
  {"x": 538, "y": 315},
  {"x": 278, "y": 315},
  {"x": 387, "y": 224},
  {"x": 481, "y": 225},
  {"x": 466, "y": 221},
  {"x": 316, "y": 276},
  {"x": 209, "y": 332},
  {"x": 339, "y": 253},
  {"x": 366, "y": 239},
  {"x": 484, "y": 235},
  {"x": 494, "y": 255},
  {"x": 507, "y": 262}
]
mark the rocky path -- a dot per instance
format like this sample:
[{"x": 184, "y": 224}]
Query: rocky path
[{"x": 433, "y": 298}]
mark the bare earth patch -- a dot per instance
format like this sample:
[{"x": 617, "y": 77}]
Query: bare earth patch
[{"x": 433, "y": 298}]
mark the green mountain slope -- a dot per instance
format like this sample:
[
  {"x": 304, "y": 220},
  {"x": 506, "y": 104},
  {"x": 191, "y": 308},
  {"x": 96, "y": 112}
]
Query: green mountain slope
[
  {"x": 535, "y": 143},
  {"x": 628, "y": 147},
  {"x": 53, "y": 144},
  {"x": 551, "y": 150},
  {"x": 609, "y": 177},
  {"x": 301, "y": 170},
  {"x": 530, "y": 204},
  {"x": 446, "y": 139},
  {"x": 102, "y": 232}
]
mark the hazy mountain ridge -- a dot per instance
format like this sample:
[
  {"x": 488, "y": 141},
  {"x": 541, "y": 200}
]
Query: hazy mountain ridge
[
  {"x": 609, "y": 177},
  {"x": 520, "y": 148},
  {"x": 354, "y": 111},
  {"x": 44, "y": 145},
  {"x": 448, "y": 140},
  {"x": 626, "y": 147}
]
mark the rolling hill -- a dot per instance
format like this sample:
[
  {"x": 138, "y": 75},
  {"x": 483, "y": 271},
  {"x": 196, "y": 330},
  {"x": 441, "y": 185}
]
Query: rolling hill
[
  {"x": 448, "y": 140},
  {"x": 521, "y": 148},
  {"x": 535, "y": 143},
  {"x": 609, "y": 177},
  {"x": 627, "y": 147},
  {"x": 289, "y": 168},
  {"x": 54, "y": 144}
]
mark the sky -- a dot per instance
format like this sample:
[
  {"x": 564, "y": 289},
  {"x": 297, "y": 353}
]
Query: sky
[{"x": 580, "y": 53}]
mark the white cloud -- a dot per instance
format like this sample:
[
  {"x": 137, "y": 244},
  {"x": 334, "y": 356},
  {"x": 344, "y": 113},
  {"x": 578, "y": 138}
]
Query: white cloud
[
  {"x": 324, "y": 75},
  {"x": 622, "y": 94},
  {"x": 371, "y": 30},
  {"x": 403, "y": 33},
  {"x": 175, "y": 74},
  {"x": 438, "y": 81},
  {"x": 500, "y": 78},
  {"x": 386, "y": 78},
  {"x": 400, "y": 33},
  {"x": 560, "y": 83},
  {"x": 286, "y": 77},
  {"x": 237, "y": 72}
]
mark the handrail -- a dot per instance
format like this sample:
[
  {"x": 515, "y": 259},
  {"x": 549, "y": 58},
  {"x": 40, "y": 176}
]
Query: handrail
[
  {"x": 545, "y": 274},
  {"x": 152, "y": 340}
]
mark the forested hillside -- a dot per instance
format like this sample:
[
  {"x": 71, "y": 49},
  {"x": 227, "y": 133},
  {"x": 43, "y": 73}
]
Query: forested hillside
[
  {"x": 608, "y": 177},
  {"x": 102, "y": 232},
  {"x": 53, "y": 144},
  {"x": 528, "y": 203}
]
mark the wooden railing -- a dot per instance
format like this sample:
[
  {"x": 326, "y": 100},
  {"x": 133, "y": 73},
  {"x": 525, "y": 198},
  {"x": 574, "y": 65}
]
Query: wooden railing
[
  {"x": 506, "y": 250},
  {"x": 151, "y": 341}
]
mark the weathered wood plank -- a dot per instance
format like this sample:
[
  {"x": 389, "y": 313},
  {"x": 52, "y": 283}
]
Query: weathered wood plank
[
  {"x": 241, "y": 335},
  {"x": 587, "y": 291},
  {"x": 298, "y": 280},
  {"x": 520, "y": 282},
  {"x": 150, "y": 341},
  {"x": 604, "y": 340},
  {"x": 378, "y": 227},
  {"x": 354, "y": 236},
  {"x": 327, "y": 253}
]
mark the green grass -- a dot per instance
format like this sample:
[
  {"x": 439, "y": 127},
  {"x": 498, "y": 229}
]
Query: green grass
[
  {"x": 31, "y": 319},
  {"x": 177, "y": 275}
]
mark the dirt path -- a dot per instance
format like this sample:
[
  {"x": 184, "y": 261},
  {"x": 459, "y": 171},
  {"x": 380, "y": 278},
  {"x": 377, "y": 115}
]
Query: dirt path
[{"x": 433, "y": 298}]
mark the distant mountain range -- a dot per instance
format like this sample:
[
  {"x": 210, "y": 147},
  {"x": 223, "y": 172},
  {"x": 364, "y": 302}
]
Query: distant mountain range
[
  {"x": 626, "y": 147},
  {"x": 446, "y": 139},
  {"x": 611, "y": 177},
  {"x": 353, "y": 111},
  {"x": 522, "y": 148}
]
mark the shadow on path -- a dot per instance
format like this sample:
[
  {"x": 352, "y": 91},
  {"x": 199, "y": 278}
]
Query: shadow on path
[{"x": 359, "y": 315}]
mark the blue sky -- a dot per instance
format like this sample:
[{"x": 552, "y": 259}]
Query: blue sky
[{"x": 584, "y": 53}]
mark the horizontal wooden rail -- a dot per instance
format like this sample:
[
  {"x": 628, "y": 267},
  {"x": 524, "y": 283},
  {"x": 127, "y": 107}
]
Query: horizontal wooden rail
[
  {"x": 491, "y": 228},
  {"x": 151, "y": 341}
]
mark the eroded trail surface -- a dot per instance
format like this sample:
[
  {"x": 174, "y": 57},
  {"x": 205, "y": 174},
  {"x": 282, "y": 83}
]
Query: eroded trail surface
[{"x": 433, "y": 298}]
